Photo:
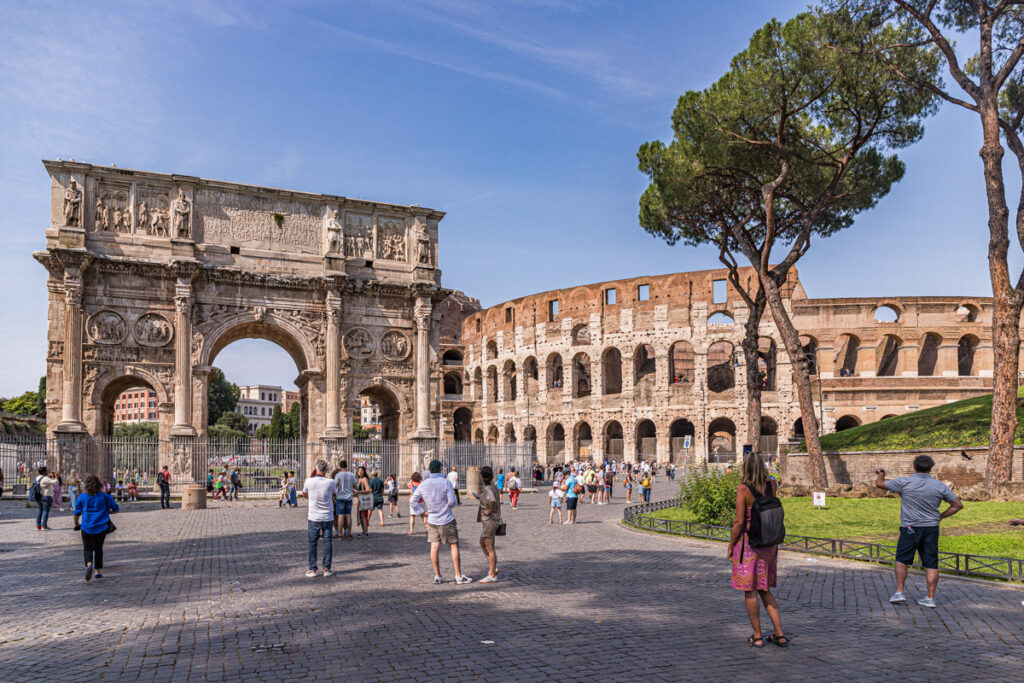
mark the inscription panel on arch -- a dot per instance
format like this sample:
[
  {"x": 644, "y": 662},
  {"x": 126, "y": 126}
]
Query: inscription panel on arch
[{"x": 227, "y": 218}]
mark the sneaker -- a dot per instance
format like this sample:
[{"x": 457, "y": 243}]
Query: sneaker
[
  {"x": 463, "y": 579},
  {"x": 898, "y": 598},
  {"x": 310, "y": 573},
  {"x": 489, "y": 579},
  {"x": 927, "y": 602},
  {"x": 328, "y": 572},
  {"x": 88, "y": 572},
  {"x": 97, "y": 575},
  {"x": 438, "y": 580}
]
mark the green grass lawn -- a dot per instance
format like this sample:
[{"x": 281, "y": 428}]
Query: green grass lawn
[
  {"x": 954, "y": 425},
  {"x": 978, "y": 529}
]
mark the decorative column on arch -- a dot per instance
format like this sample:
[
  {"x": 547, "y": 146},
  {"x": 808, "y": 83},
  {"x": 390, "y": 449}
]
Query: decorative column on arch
[
  {"x": 333, "y": 428},
  {"x": 183, "y": 357},
  {"x": 71, "y": 388},
  {"x": 423, "y": 312}
]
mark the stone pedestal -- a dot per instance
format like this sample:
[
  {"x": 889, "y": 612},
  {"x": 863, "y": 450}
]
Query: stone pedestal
[
  {"x": 474, "y": 484},
  {"x": 193, "y": 497}
]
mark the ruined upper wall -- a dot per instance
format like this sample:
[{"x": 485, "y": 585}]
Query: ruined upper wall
[{"x": 141, "y": 214}]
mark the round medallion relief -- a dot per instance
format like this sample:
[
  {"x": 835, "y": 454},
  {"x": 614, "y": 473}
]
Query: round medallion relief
[
  {"x": 152, "y": 329},
  {"x": 107, "y": 327},
  {"x": 358, "y": 342},
  {"x": 395, "y": 345}
]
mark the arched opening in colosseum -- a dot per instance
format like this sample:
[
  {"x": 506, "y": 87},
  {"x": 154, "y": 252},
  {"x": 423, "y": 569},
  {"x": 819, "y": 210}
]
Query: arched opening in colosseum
[
  {"x": 556, "y": 441},
  {"x": 478, "y": 385},
  {"x": 611, "y": 369},
  {"x": 886, "y": 417},
  {"x": 888, "y": 355},
  {"x": 452, "y": 357},
  {"x": 584, "y": 438},
  {"x": 680, "y": 363},
  {"x": 492, "y": 350},
  {"x": 462, "y": 423},
  {"x": 492, "y": 435},
  {"x": 613, "y": 439},
  {"x": 510, "y": 380},
  {"x": 847, "y": 422},
  {"x": 530, "y": 434},
  {"x": 581, "y": 335},
  {"x": 809, "y": 346},
  {"x": 928, "y": 354},
  {"x": 390, "y": 410},
  {"x": 767, "y": 359},
  {"x": 453, "y": 386},
  {"x": 847, "y": 349},
  {"x": 965, "y": 350},
  {"x": 677, "y": 433},
  {"x": 581, "y": 375},
  {"x": 492, "y": 384},
  {"x": 967, "y": 313},
  {"x": 531, "y": 373},
  {"x": 646, "y": 440},
  {"x": 721, "y": 367},
  {"x": 554, "y": 367},
  {"x": 644, "y": 365},
  {"x": 769, "y": 436},
  {"x": 721, "y": 439},
  {"x": 510, "y": 433},
  {"x": 478, "y": 436},
  {"x": 798, "y": 429},
  {"x": 721, "y": 319},
  {"x": 887, "y": 314}
]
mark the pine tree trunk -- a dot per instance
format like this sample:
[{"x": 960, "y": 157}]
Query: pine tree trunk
[
  {"x": 801, "y": 377},
  {"x": 753, "y": 382}
]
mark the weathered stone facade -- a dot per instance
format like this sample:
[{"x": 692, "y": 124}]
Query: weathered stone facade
[
  {"x": 152, "y": 275},
  {"x": 635, "y": 366}
]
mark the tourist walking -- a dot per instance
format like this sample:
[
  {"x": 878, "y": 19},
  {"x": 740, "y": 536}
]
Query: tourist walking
[
  {"x": 573, "y": 488},
  {"x": 453, "y": 479},
  {"x": 283, "y": 494},
  {"x": 209, "y": 482},
  {"x": 74, "y": 487},
  {"x": 609, "y": 482},
  {"x": 365, "y": 500},
  {"x": 555, "y": 495},
  {"x": 439, "y": 497},
  {"x": 515, "y": 486},
  {"x": 391, "y": 489},
  {"x": 489, "y": 516},
  {"x": 58, "y": 491},
  {"x": 293, "y": 498},
  {"x": 920, "y": 498},
  {"x": 163, "y": 480},
  {"x": 645, "y": 486},
  {"x": 92, "y": 519},
  {"x": 500, "y": 483},
  {"x": 319, "y": 490},
  {"x": 754, "y": 568},
  {"x": 415, "y": 509},
  {"x": 377, "y": 488},
  {"x": 236, "y": 484},
  {"x": 44, "y": 498}
]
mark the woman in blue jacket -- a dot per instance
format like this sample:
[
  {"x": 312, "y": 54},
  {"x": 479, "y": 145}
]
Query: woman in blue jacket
[{"x": 92, "y": 513}]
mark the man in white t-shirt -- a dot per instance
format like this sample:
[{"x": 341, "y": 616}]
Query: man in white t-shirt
[
  {"x": 453, "y": 479},
  {"x": 345, "y": 484},
  {"x": 320, "y": 491}
]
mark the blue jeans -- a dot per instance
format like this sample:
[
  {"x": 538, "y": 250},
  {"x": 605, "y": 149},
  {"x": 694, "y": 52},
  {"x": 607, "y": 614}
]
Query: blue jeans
[
  {"x": 43, "y": 510},
  {"x": 647, "y": 495},
  {"x": 313, "y": 531}
]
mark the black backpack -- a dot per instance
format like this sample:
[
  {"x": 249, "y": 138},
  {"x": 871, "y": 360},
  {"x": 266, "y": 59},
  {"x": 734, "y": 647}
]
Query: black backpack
[{"x": 767, "y": 525}]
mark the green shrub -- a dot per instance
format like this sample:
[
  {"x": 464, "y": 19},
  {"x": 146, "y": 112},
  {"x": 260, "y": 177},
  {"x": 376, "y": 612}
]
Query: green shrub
[{"x": 711, "y": 496}]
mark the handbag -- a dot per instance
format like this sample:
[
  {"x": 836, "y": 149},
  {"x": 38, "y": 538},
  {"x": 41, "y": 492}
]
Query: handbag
[
  {"x": 500, "y": 531},
  {"x": 111, "y": 528}
]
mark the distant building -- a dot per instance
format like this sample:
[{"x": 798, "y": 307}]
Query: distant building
[
  {"x": 257, "y": 403},
  {"x": 369, "y": 415},
  {"x": 288, "y": 397},
  {"x": 137, "y": 404}
]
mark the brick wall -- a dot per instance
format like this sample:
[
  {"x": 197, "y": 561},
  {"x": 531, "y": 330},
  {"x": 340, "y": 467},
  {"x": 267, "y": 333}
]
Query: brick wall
[{"x": 859, "y": 468}]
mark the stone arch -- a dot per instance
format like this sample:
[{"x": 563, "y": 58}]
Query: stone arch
[
  {"x": 888, "y": 354},
  {"x": 798, "y": 429},
  {"x": 847, "y": 422},
  {"x": 887, "y": 312},
  {"x": 554, "y": 367},
  {"x": 581, "y": 381},
  {"x": 531, "y": 376},
  {"x": 556, "y": 441},
  {"x": 462, "y": 422},
  {"x": 809, "y": 346},
  {"x": 109, "y": 386},
  {"x": 769, "y": 427},
  {"x": 478, "y": 384},
  {"x": 677, "y": 433},
  {"x": 478, "y": 435},
  {"x": 530, "y": 434},
  {"x": 681, "y": 363},
  {"x": 966, "y": 348},
  {"x": 644, "y": 364},
  {"x": 611, "y": 371},
  {"x": 767, "y": 363},
  {"x": 721, "y": 370},
  {"x": 847, "y": 348},
  {"x": 492, "y": 384},
  {"x": 393, "y": 401},
  {"x": 720, "y": 319},
  {"x": 581, "y": 335},
  {"x": 722, "y": 439},
  {"x": 453, "y": 384},
  {"x": 967, "y": 311},
  {"x": 492, "y": 350},
  {"x": 613, "y": 439},
  {"x": 452, "y": 357},
  {"x": 272, "y": 327},
  {"x": 646, "y": 440},
  {"x": 492, "y": 435},
  {"x": 583, "y": 439},
  {"x": 510, "y": 433},
  {"x": 509, "y": 380},
  {"x": 928, "y": 354},
  {"x": 886, "y": 417}
]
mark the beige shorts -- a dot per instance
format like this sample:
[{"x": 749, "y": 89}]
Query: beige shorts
[
  {"x": 447, "y": 534},
  {"x": 490, "y": 526}
]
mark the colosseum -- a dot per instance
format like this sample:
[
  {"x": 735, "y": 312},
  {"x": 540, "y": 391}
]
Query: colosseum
[{"x": 652, "y": 368}]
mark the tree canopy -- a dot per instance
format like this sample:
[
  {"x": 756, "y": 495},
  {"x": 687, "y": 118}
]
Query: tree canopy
[
  {"x": 223, "y": 396},
  {"x": 29, "y": 403},
  {"x": 235, "y": 421}
]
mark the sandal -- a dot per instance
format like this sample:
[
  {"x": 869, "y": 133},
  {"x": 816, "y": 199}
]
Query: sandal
[
  {"x": 753, "y": 642},
  {"x": 781, "y": 641}
]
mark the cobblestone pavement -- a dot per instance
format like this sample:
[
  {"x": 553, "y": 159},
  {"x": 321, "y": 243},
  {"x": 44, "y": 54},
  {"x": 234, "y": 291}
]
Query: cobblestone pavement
[{"x": 220, "y": 595}]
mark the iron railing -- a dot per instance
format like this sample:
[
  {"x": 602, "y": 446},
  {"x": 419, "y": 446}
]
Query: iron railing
[{"x": 963, "y": 564}]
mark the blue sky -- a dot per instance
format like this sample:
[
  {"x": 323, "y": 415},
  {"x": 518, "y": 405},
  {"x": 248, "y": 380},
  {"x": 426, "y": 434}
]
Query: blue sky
[{"x": 520, "y": 119}]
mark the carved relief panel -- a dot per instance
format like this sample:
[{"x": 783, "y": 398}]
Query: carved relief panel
[
  {"x": 395, "y": 345},
  {"x": 112, "y": 210},
  {"x": 359, "y": 236},
  {"x": 152, "y": 329},
  {"x": 106, "y": 327},
  {"x": 391, "y": 239},
  {"x": 358, "y": 343},
  {"x": 152, "y": 210}
]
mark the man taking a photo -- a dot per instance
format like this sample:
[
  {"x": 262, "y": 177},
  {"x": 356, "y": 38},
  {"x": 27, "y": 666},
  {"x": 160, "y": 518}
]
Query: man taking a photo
[{"x": 920, "y": 497}]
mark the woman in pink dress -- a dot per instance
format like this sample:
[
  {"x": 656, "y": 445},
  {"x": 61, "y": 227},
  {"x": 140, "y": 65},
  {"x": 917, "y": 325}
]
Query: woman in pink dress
[{"x": 754, "y": 569}]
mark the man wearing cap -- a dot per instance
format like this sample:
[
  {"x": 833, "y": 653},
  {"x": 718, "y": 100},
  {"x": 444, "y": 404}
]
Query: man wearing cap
[{"x": 439, "y": 497}]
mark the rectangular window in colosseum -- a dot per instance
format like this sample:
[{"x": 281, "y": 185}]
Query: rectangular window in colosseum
[
  {"x": 609, "y": 296},
  {"x": 510, "y": 314},
  {"x": 719, "y": 292},
  {"x": 643, "y": 292},
  {"x": 553, "y": 310}
]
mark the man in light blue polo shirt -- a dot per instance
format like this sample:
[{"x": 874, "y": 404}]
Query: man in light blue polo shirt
[{"x": 920, "y": 497}]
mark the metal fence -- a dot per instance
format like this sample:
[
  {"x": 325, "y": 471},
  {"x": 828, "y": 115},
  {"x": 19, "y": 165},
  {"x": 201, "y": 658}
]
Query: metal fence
[
  {"x": 462, "y": 455},
  {"x": 1005, "y": 568}
]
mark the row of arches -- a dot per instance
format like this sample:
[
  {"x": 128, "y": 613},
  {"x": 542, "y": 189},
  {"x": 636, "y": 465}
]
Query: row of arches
[{"x": 849, "y": 359}]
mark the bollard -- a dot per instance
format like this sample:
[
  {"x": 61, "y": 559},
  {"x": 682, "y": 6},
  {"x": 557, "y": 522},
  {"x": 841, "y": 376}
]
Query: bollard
[
  {"x": 473, "y": 482},
  {"x": 193, "y": 497}
]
